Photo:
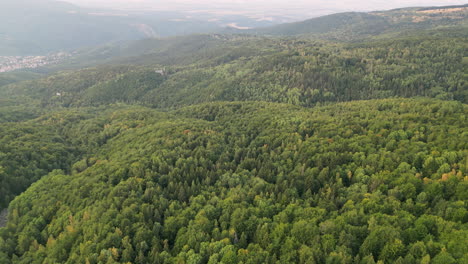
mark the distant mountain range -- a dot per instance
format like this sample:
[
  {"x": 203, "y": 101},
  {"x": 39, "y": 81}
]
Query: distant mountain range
[{"x": 357, "y": 26}]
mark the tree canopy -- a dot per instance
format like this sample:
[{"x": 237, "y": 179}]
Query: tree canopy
[{"x": 357, "y": 182}]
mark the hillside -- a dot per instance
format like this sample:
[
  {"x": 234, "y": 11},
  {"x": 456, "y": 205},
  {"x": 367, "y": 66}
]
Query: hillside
[
  {"x": 209, "y": 68},
  {"x": 357, "y": 26},
  {"x": 181, "y": 50},
  {"x": 253, "y": 183}
]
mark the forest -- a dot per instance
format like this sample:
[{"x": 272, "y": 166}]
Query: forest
[
  {"x": 225, "y": 148},
  {"x": 298, "y": 72},
  {"x": 249, "y": 183}
]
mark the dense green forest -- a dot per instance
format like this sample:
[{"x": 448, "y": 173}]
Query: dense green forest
[
  {"x": 296, "y": 71},
  {"x": 244, "y": 149},
  {"x": 360, "y": 182},
  {"x": 32, "y": 144}
]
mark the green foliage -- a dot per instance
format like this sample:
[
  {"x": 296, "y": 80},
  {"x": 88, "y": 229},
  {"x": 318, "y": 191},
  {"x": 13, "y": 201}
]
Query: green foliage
[
  {"x": 296, "y": 72},
  {"x": 12, "y": 77},
  {"x": 28, "y": 152},
  {"x": 32, "y": 146},
  {"x": 355, "y": 182}
]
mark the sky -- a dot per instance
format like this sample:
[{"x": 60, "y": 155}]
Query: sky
[{"x": 302, "y": 8}]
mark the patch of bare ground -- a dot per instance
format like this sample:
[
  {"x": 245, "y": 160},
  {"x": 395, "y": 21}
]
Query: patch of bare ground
[
  {"x": 3, "y": 217},
  {"x": 444, "y": 10}
]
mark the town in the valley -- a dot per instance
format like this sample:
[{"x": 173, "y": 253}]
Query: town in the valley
[{"x": 12, "y": 63}]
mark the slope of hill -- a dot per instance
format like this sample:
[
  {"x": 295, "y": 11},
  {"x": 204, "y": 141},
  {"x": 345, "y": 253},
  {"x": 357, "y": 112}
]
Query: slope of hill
[
  {"x": 254, "y": 183},
  {"x": 13, "y": 77},
  {"x": 358, "y": 26},
  {"x": 182, "y": 50},
  {"x": 289, "y": 71}
]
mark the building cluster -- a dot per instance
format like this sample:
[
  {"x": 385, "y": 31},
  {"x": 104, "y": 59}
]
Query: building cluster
[{"x": 12, "y": 63}]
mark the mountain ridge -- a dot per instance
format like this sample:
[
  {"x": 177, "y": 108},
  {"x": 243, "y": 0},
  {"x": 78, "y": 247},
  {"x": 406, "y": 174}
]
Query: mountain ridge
[{"x": 356, "y": 26}]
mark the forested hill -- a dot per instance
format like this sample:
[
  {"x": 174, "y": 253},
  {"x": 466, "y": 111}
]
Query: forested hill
[
  {"x": 356, "y": 26},
  {"x": 227, "y": 68},
  {"x": 359, "y": 182}
]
